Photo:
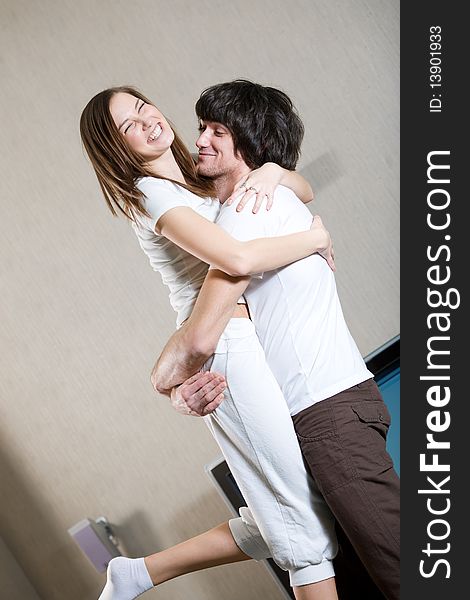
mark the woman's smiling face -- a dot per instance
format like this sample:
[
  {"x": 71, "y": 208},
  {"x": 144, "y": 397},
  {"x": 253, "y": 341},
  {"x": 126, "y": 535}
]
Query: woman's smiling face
[{"x": 142, "y": 125}]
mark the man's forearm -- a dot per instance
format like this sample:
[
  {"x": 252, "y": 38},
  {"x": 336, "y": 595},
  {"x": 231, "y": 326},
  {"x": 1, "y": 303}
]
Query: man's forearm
[
  {"x": 179, "y": 360},
  {"x": 189, "y": 348}
]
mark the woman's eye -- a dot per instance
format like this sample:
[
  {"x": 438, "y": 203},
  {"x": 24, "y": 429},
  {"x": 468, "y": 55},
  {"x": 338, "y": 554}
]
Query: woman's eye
[
  {"x": 128, "y": 127},
  {"x": 141, "y": 106}
]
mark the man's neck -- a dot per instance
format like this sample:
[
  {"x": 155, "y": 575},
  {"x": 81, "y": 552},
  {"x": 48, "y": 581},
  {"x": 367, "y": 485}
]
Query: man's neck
[{"x": 225, "y": 183}]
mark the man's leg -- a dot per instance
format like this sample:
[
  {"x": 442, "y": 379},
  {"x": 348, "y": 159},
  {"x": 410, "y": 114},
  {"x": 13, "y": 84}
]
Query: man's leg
[
  {"x": 343, "y": 443},
  {"x": 255, "y": 432},
  {"x": 352, "y": 578}
]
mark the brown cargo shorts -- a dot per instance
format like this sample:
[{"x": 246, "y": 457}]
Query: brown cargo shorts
[{"x": 343, "y": 441}]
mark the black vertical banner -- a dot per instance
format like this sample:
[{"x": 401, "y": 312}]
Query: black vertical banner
[{"x": 435, "y": 246}]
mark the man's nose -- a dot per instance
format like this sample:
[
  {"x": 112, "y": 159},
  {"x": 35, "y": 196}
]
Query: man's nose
[{"x": 203, "y": 140}]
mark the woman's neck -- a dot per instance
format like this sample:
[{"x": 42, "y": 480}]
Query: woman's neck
[{"x": 166, "y": 166}]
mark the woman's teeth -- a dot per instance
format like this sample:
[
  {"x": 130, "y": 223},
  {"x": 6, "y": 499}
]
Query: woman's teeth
[{"x": 155, "y": 133}]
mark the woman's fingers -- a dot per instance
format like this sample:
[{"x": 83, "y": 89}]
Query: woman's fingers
[
  {"x": 331, "y": 262},
  {"x": 317, "y": 222},
  {"x": 327, "y": 252},
  {"x": 234, "y": 196},
  {"x": 262, "y": 182},
  {"x": 260, "y": 197},
  {"x": 239, "y": 188},
  {"x": 269, "y": 200},
  {"x": 245, "y": 198}
]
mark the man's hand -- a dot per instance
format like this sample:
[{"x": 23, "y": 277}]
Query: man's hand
[{"x": 199, "y": 395}]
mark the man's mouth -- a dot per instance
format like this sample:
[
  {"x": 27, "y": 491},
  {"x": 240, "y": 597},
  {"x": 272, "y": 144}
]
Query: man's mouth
[
  {"x": 156, "y": 131},
  {"x": 206, "y": 154}
]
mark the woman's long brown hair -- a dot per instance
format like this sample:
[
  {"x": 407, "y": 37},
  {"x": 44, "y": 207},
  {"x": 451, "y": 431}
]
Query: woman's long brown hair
[{"x": 118, "y": 167}]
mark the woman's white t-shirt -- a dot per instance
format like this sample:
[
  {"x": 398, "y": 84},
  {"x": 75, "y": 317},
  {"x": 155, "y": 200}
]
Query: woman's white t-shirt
[{"x": 182, "y": 272}]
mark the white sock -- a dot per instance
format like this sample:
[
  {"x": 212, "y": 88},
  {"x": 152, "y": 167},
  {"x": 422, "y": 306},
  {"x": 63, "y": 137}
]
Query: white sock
[{"x": 127, "y": 579}]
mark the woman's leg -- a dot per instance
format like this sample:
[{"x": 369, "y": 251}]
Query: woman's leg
[
  {"x": 127, "y": 578},
  {"x": 289, "y": 519},
  {"x": 210, "y": 549},
  {"x": 322, "y": 590},
  {"x": 255, "y": 431},
  {"x": 214, "y": 548}
]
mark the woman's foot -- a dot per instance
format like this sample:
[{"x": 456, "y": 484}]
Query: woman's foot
[{"x": 127, "y": 578}]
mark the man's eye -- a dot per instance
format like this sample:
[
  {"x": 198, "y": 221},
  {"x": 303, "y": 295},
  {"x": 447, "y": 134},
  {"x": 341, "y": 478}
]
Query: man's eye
[{"x": 219, "y": 133}]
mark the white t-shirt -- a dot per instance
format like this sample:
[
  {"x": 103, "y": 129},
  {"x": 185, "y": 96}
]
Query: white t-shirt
[
  {"x": 296, "y": 310},
  {"x": 182, "y": 272}
]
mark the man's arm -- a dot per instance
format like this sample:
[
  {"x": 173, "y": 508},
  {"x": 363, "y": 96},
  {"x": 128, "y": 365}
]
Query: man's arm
[{"x": 189, "y": 347}]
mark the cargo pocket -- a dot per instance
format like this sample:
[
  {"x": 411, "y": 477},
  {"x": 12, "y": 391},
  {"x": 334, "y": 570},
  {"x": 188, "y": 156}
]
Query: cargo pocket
[
  {"x": 327, "y": 461},
  {"x": 375, "y": 420}
]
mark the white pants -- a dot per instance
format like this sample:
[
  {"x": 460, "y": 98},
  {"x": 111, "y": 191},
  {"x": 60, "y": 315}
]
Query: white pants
[{"x": 287, "y": 518}]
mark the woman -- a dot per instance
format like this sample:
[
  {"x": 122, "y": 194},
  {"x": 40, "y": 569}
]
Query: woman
[{"x": 146, "y": 173}]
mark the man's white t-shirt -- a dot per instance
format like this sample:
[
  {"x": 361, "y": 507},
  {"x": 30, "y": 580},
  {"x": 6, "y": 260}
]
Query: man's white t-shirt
[{"x": 296, "y": 310}]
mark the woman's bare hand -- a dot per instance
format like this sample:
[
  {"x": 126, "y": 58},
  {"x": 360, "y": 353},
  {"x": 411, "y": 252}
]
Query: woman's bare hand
[
  {"x": 260, "y": 183},
  {"x": 323, "y": 239}
]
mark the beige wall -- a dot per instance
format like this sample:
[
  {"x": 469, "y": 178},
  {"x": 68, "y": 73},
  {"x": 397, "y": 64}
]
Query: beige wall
[
  {"x": 13, "y": 581},
  {"x": 82, "y": 434}
]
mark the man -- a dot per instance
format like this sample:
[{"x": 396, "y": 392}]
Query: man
[{"x": 338, "y": 413}]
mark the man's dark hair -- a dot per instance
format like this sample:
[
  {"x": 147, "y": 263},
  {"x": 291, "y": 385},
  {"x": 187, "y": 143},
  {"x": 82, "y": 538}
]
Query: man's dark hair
[{"x": 262, "y": 120}]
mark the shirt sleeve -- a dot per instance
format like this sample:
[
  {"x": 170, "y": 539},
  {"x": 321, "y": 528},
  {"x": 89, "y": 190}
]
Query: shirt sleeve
[
  {"x": 159, "y": 197},
  {"x": 245, "y": 225}
]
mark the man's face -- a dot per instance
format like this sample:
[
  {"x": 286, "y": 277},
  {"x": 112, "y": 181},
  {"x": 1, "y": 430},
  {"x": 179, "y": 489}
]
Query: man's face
[{"x": 217, "y": 156}]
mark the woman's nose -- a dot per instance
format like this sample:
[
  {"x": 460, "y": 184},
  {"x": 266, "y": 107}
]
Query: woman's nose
[{"x": 146, "y": 122}]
